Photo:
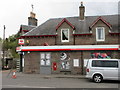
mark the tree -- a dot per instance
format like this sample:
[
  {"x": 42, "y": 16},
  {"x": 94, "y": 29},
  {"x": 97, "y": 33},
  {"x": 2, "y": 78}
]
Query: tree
[
  {"x": 0, "y": 39},
  {"x": 0, "y": 44},
  {"x": 11, "y": 43}
]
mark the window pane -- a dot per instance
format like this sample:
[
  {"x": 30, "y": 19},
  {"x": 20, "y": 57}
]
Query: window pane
[
  {"x": 98, "y": 63},
  {"x": 42, "y": 56},
  {"x": 48, "y": 56},
  {"x": 47, "y": 62},
  {"x": 100, "y": 33},
  {"x": 64, "y": 34},
  {"x": 76, "y": 62},
  {"x": 42, "y": 62},
  {"x": 110, "y": 63}
]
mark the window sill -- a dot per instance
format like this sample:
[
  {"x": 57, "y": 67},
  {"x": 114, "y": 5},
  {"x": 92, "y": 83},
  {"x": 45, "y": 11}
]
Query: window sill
[
  {"x": 100, "y": 40},
  {"x": 64, "y": 41}
]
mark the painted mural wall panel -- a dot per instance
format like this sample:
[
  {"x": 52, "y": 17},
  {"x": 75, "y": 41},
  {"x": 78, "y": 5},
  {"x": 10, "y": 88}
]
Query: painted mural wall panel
[{"x": 65, "y": 61}]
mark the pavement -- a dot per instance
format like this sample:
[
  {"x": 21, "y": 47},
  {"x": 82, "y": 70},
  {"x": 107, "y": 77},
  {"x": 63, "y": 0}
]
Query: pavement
[
  {"x": 20, "y": 74},
  {"x": 51, "y": 81}
]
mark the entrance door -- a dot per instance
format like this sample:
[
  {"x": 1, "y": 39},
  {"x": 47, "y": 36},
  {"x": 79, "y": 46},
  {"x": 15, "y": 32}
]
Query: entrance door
[{"x": 45, "y": 63}]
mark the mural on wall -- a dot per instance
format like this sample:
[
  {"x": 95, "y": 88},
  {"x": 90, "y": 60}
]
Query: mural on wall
[
  {"x": 99, "y": 55},
  {"x": 64, "y": 61}
]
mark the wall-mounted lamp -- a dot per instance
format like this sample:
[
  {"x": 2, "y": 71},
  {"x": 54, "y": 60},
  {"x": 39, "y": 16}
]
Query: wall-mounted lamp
[{"x": 28, "y": 52}]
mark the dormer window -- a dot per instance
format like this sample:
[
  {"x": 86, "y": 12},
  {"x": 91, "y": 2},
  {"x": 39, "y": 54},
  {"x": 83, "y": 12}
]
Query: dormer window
[
  {"x": 100, "y": 34},
  {"x": 64, "y": 35}
]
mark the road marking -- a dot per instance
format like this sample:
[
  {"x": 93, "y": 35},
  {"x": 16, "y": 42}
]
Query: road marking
[{"x": 21, "y": 86}]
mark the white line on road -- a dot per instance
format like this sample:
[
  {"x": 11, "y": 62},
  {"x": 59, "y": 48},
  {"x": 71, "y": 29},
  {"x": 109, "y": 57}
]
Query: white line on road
[{"x": 21, "y": 86}]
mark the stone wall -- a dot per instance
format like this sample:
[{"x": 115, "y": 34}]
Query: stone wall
[{"x": 32, "y": 62}]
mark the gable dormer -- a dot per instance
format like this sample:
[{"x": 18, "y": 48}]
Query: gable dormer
[
  {"x": 65, "y": 30},
  {"x": 101, "y": 19},
  {"x": 100, "y": 28}
]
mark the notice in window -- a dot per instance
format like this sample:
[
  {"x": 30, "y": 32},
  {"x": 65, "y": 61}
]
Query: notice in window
[
  {"x": 76, "y": 62},
  {"x": 48, "y": 62},
  {"x": 42, "y": 55},
  {"x": 42, "y": 62},
  {"x": 48, "y": 56}
]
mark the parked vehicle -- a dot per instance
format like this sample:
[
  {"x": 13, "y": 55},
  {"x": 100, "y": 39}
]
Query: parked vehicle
[{"x": 103, "y": 69}]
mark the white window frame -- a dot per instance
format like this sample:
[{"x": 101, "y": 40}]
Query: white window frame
[
  {"x": 76, "y": 62},
  {"x": 97, "y": 39},
  {"x": 68, "y": 35},
  {"x": 45, "y": 59}
]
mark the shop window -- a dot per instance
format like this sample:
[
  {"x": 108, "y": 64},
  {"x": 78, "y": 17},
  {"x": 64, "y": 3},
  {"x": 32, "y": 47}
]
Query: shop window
[
  {"x": 100, "y": 34},
  {"x": 76, "y": 62},
  {"x": 65, "y": 35},
  {"x": 45, "y": 59}
]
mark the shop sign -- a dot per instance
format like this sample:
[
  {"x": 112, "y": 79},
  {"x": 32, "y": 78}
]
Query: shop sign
[
  {"x": 18, "y": 49},
  {"x": 21, "y": 42}
]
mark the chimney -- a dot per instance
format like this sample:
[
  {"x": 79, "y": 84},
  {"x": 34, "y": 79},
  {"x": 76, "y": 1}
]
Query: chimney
[
  {"x": 81, "y": 11},
  {"x": 32, "y": 20}
]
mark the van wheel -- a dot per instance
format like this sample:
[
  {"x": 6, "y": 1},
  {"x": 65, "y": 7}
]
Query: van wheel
[{"x": 97, "y": 78}]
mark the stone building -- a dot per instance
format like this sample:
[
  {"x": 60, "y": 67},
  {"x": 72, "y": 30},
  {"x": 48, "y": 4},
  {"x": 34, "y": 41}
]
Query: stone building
[{"x": 63, "y": 45}]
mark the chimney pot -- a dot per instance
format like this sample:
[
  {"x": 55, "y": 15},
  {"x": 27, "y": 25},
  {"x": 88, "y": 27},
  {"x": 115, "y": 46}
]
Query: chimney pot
[
  {"x": 81, "y": 11},
  {"x": 32, "y": 15},
  {"x": 32, "y": 20}
]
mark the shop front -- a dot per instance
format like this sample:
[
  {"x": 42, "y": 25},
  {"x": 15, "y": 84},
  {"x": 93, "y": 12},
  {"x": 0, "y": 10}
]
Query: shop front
[{"x": 64, "y": 59}]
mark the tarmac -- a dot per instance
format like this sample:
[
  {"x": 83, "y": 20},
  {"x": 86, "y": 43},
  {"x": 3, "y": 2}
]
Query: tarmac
[{"x": 7, "y": 73}]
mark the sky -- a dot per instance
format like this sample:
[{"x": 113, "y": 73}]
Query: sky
[{"x": 13, "y": 13}]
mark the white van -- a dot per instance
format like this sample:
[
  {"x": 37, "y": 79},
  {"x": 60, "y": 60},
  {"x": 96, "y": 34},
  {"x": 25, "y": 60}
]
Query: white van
[{"x": 103, "y": 69}]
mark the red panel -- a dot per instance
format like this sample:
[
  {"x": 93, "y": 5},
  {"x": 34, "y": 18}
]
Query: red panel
[
  {"x": 115, "y": 33},
  {"x": 54, "y": 66},
  {"x": 69, "y": 49}
]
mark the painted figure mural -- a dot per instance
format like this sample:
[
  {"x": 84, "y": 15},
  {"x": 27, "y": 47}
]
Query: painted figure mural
[{"x": 64, "y": 61}]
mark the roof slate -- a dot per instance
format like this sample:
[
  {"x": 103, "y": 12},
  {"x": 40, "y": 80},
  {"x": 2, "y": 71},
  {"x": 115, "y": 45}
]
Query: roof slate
[
  {"x": 81, "y": 27},
  {"x": 27, "y": 27}
]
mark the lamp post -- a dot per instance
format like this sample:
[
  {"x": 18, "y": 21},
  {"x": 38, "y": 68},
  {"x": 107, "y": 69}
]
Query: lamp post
[{"x": 3, "y": 47}]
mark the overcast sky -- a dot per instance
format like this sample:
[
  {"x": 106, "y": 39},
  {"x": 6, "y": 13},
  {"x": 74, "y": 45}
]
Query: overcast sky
[{"x": 13, "y": 13}]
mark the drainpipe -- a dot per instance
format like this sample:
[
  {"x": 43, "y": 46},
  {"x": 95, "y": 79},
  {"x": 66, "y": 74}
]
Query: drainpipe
[
  {"x": 21, "y": 56},
  {"x": 82, "y": 61}
]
